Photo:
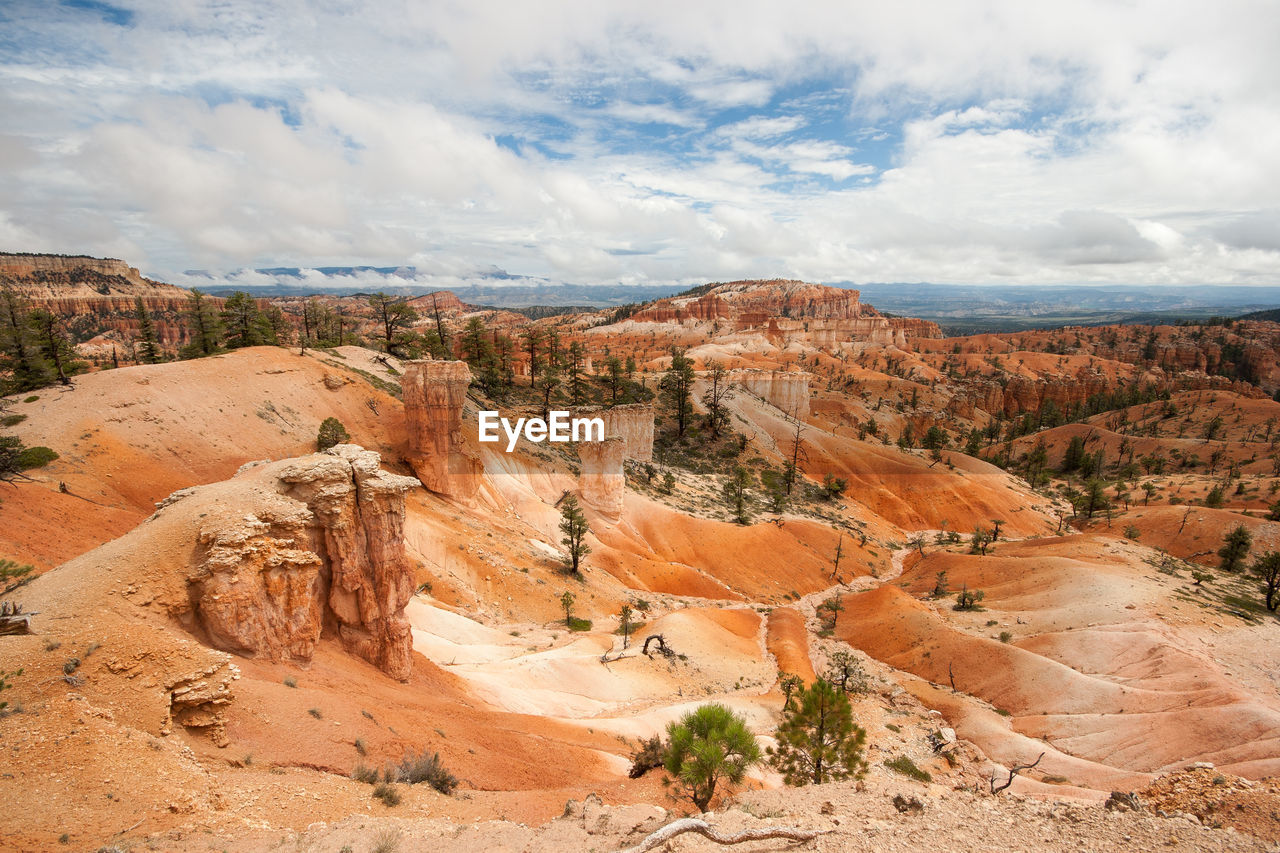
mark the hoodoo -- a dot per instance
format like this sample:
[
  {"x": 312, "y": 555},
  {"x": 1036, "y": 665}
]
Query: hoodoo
[
  {"x": 788, "y": 391},
  {"x": 330, "y": 549},
  {"x": 602, "y": 482},
  {"x": 632, "y": 422},
  {"x": 434, "y": 394}
]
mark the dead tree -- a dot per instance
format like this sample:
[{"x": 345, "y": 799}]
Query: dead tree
[
  {"x": 1014, "y": 771},
  {"x": 13, "y": 620},
  {"x": 691, "y": 824},
  {"x": 660, "y": 642}
]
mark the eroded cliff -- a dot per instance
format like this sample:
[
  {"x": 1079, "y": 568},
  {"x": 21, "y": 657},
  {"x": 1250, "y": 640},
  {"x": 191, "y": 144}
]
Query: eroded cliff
[
  {"x": 434, "y": 395},
  {"x": 326, "y": 552}
]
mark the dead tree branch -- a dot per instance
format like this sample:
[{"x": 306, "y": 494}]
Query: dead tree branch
[
  {"x": 690, "y": 824},
  {"x": 1014, "y": 771}
]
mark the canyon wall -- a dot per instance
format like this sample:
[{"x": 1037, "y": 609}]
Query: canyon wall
[
  {"x": 601, "y": 481},
  {"x": 786, "y": 312},
  {"x": 329, "y": 554},
  {"x": 782, "y": 389},
  {"x": 96, "y": 296},
  {"x": 631, "y": 422},
  {"x": 434, "y": 395}
]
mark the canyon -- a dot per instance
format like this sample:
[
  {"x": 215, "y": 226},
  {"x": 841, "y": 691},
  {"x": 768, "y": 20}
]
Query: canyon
[{"x": 252, "y": 620}]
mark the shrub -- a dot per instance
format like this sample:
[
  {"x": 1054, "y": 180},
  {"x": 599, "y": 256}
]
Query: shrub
[
  {"x": 290, "y": 681},
  {"x": 967, "y": 599},
  {"x": 386, "y": 792},
  {"x": 315, "y": 712},
  {"x": 576, "y": 624},
  {"x": 364, "y": 773},
  {"x": 1132, "y": 532},
  {"x": 1006, "y": 636},
  {"x": 904, "y": 765},
  {"x": 332, "y": 432},
  {"x": 35, "y": 457},
  {"x": 388, "y": 840},
  {"x": 648, "y": 757},
  {"x": 415, "y": 769},
  {"x": 13, "y": 575},
  {"x": 12, "y": 420}
]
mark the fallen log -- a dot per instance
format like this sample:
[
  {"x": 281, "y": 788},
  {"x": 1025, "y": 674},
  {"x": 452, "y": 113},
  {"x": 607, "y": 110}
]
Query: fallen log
[{"x": 691, "y": 824}]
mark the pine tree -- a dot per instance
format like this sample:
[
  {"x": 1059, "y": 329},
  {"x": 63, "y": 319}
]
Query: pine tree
[
  {"x": 677, "y": 387},
  {"x": 718, "y": 390},
  {"x": 613, "y": 368},
  {"x": 204, "y": 327},
  {"x": 20, "y": 356},
  {"x": 1235, "y": 547},
  {"x": 1267, "y": 570},
  {"x": 573, "y": 524},
  {"x": 394, "y": 317},
  {"x": 818, "y": 740},
  {"x": 709, "y": 746},
  {"x": 577, "y": 379},
  {"x": 735, "y": 492},
  {"x": 53, "y": 344},
  {"x": 244, "y": 322},
  {"x": 149, "y": 347}
]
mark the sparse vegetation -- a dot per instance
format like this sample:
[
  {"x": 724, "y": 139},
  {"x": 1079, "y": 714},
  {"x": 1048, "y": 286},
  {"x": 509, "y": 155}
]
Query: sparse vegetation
[
  {"x": 332, "y": 433},
  {"x": 387, "y": 792},
  {"x": 904, "y": 765},
  {"x": 967, "y": 599},
  {"x": 416, "y": 769}
]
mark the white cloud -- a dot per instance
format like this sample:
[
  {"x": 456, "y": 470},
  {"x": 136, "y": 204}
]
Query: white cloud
[{"x": 1137, "y": 142}]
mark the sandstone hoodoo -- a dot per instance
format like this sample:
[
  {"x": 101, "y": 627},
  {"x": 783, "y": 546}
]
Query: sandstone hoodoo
[
  {"x": 602, "y": 481},
  {"x": 631, "y": 422},
  {"x": 785, "y": 390},
  {"x": 327, "y": 550},
  {"x": 434, "y": 395}
]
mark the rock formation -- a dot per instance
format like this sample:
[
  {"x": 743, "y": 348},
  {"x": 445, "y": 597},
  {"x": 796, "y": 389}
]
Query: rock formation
[
  {"x": 96, "y": 296},
  {"x": 434, "y": 394},
  {"x": 631, "y": 422},
  {"x": 328, "y": 555},
  {"x": 785, "y": 390},
  {"x": 602, "y": 482},
  {"x": 786, "y": 312}
]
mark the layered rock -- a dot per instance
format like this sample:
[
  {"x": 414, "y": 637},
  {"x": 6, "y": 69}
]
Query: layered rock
[
  {"x": 787, "y": 312},
  {"x": 434, "y": 395},
  {"x": 631, "y": 422},
  {"x": 784, "y": 390},
  {"x": 97, "y": 296},
  {"x": 328, "y": 554},
  {"x": 602, "y": 482}
]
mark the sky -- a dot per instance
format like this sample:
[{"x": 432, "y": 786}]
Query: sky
[{"x": 649, "y": 143}]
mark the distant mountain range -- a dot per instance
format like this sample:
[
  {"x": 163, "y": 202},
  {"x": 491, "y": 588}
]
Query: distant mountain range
[
  {"x": 959, "y": 308},
  {"x": 965, "y": 309}
]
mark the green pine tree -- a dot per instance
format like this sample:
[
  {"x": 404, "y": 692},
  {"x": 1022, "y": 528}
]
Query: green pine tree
[{"x": 818, "y": 740}]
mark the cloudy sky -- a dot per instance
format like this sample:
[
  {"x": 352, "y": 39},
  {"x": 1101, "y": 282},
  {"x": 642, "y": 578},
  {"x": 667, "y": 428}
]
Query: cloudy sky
[{"x": 659, "y": 142}]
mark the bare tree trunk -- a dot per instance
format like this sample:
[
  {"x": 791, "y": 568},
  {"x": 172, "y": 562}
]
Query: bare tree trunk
[{"x": 690, "y": 824}]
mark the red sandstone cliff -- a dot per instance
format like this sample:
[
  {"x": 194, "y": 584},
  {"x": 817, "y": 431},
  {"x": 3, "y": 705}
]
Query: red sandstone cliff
[
  {"x": 97, "y": 295},
  {"x": 785, "y": 311}
]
